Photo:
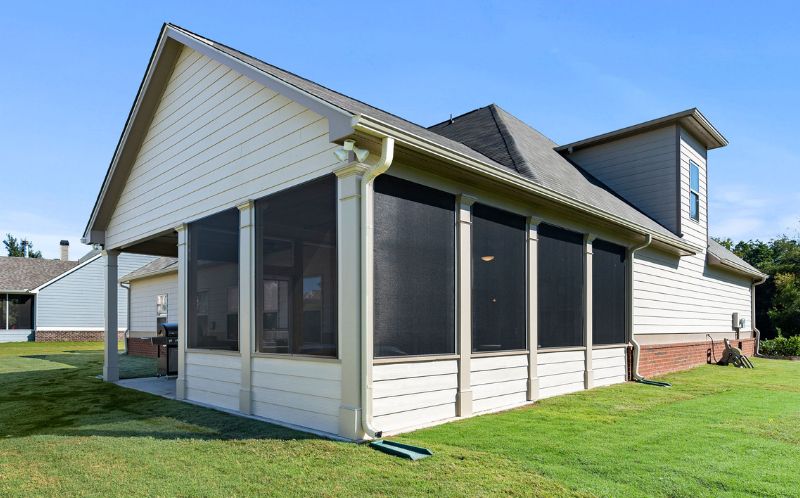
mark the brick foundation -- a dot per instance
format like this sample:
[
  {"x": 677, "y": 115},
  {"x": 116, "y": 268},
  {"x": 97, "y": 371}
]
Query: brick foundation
[
  {"x": 73, "y": 335},
  {"x": 142, "y": 347},
  {"x": 658, "y": 359}
]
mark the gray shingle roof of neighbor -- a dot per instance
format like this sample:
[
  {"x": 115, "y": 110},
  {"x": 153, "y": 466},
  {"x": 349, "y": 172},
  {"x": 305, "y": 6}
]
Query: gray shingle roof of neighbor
[
  {"x": 25, "y": 274},
  {"x": 720, "y": 252},
  {"x": 155, "y": 267}
]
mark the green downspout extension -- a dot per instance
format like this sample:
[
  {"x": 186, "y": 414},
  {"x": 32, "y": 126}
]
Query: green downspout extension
[{"x": 636, "y": 348}]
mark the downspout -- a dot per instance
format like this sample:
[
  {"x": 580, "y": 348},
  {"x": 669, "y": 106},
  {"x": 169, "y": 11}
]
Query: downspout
[
  {"x": 387, "y": 154},
  {"x": 127, "y": 287},
  {"x": 636, "y": 348},
  {"x": 757, "y": 348}
]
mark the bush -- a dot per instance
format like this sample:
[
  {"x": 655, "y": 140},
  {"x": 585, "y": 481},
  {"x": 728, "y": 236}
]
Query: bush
[{"x": 781, "y": 346}]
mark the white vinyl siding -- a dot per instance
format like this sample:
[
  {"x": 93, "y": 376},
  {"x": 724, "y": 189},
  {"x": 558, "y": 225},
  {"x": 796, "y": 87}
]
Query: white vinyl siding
[
  {"x": 641, "y": 168},
  {"x": 76, "y": 300},
  {"x": 298, "y": 392},
  {"x": 411, "y": 395},
  {"x": 498, "y": 382},
  {"x": 217, "y": 138},
  {"x": 684, "y": 296},
  {"x": 213, "y": 379},
  {"x": 561, "y": 372},
  {"x": 694, "y": 231},
  {"x": 609, "y": 366},
  {"x": 143, "y": 302}
]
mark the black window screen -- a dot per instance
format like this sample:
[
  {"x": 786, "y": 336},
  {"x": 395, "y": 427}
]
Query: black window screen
[
  {"x": 608, "y": 293},
  {"x": 213, "y": 274},
  {"x": 20, "y": 311},
  {"x": 498, "y": 280},
  {"x": 296, "y": 268},
  {"x": 560, "y": 287},
  {"x": 414, "y": 263}
]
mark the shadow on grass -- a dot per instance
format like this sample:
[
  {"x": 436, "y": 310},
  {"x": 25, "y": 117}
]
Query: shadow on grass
[{"x": 71, "y": 401}]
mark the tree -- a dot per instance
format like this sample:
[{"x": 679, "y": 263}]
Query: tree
[
  {"x": 778, "y": 298},
  {"x": 16, "y": 248}
]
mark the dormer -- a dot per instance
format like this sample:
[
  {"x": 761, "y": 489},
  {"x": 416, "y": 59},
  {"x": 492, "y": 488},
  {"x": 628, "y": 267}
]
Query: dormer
[{"x": 658, "y": 166}]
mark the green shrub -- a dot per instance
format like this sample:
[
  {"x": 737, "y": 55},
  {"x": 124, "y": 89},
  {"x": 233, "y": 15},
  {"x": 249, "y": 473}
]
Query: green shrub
[{"x": 781, "y": 346}]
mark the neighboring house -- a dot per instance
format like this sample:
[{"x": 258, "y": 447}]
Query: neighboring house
[
  {"x": 153, "y": 301},
  {"x": 345, "y": 271},
  {"x": 58, "y": 300}
]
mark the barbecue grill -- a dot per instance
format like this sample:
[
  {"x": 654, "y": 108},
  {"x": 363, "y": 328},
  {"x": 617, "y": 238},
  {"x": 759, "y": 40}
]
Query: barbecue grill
[{"x": 167, "y": 342}]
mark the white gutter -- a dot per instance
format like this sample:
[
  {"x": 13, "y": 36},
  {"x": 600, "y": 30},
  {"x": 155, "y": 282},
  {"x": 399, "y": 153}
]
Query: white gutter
[
  {"x": 635, "y": 360},
  {"x": 367, "y": 256},
  {"x": 756, "y": 350},
  {"x": 377, "y": 128}
]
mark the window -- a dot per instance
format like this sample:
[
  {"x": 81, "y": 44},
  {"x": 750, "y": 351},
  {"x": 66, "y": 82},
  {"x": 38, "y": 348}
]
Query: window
[
  {"x": 498, "y": 280},
  {"x": 161, "y": 310},
  {"x": 213, "y": 277},
  {"x": 3, "y": 298},
  {"x": 694, "y": 191},
  {"x": 608, "y": 293},
  {"x": 414, "y": 250},
  {"x": 560, "y": 287},
  {"x": 296, "y": 248}
]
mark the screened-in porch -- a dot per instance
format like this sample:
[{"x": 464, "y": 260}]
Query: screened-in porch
[{"x": 16, "y": 317}]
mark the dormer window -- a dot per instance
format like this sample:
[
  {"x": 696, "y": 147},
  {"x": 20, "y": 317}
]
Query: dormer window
[{"x": 694, "y": 191}]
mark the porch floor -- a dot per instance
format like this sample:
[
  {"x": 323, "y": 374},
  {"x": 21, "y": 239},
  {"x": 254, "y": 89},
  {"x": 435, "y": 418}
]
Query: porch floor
[{"x": 160, "y": 386}]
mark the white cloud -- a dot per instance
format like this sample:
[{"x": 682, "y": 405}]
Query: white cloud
[{"x": 743, "y": 212}]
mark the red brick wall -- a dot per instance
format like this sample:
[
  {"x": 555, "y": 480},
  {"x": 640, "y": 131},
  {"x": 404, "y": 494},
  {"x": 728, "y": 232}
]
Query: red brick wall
[
  {"x": 72, "y": 335},
  {"x": 658, "y": 359},
  {"x": 142, "y": 347}
]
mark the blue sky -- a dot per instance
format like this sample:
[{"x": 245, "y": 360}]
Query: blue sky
[{"x": 569, "y": 69}]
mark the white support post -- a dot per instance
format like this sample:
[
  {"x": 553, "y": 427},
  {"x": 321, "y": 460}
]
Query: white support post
[
  {"x": 348, "y": 251},
  {"x": 111, "y": 316},
  {"x": 588, "y": 376},
  {"x": 247, "y": 283},
  {"x": 533, "y": 308},
  {"x": 183, "y": 309},
  {"x": 464, "y": 304}
]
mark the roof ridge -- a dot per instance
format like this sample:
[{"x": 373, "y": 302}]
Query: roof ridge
[{"x": 506, "y": 136}]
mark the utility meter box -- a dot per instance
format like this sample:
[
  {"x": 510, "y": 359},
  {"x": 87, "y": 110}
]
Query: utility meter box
[{"x": 735, "y": 321}]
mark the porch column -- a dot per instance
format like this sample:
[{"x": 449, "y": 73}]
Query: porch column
[
  {"x": 588, "y": 376},
  {"x": 183, "y": 309},
  {"x": 464, "y": 304},
  {"x": 348, "y": 253},
  {"x": 533, "y": 308},
  {"x": 247, "y": 282},
  {"x": 111, "y": 317}
]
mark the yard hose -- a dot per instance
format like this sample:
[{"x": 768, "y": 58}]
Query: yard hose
[{"x": 652, "y": 382}]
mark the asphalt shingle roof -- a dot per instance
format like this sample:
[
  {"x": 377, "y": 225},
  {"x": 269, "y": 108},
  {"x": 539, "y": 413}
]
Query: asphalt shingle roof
[
  {"x": 158, "y": 265},
  {"x": 25, "y": 274},
  {"x": 722, "y": 253}
]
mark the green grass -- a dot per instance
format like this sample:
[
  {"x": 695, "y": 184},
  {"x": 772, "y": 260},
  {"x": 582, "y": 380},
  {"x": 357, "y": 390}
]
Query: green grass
[{"x": 718, "y": 431}]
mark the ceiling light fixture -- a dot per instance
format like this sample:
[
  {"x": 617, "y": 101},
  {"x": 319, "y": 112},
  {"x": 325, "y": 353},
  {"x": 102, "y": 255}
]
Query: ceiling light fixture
[{"x": 487, "y": 258}]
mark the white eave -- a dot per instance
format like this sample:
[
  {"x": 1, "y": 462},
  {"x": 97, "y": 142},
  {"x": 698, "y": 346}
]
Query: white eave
[{"x": 733, "y": 265}]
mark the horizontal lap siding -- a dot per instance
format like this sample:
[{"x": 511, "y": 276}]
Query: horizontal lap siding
[
  {"x": 76, "y": 300},
  {"x": 498, "y": 381},
  {"x": 410, "y": 395},
  {"x": 298, "y": 392},
  {"x": 217, "y": 139},
  {"x": 143, "y": 302},
  {"x": 608, "y": 366},
  {"x": 213, "y": 379},
  {"x": 685, "y": 296},
  {"x": 561, "y": 372},
  {"x": 640, "y": 168}
]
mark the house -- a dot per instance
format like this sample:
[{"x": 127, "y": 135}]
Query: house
[
  {"x": 57, "y": 300},
  {"x": 345, "y": 271},
  {"x": 153, "y": 291}
]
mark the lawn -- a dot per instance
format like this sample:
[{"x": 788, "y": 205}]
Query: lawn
[{"x": 717, "y": 431}]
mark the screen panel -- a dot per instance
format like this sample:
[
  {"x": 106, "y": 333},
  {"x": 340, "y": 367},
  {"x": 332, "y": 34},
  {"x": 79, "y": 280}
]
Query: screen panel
[
  {"x": 498, "y": 280},
  {"x": 414, "y": 264},
  {"x": 560, "y": 287},
  {"x": 608, "y": 293},
  {"x": 213, "y": 273}
]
